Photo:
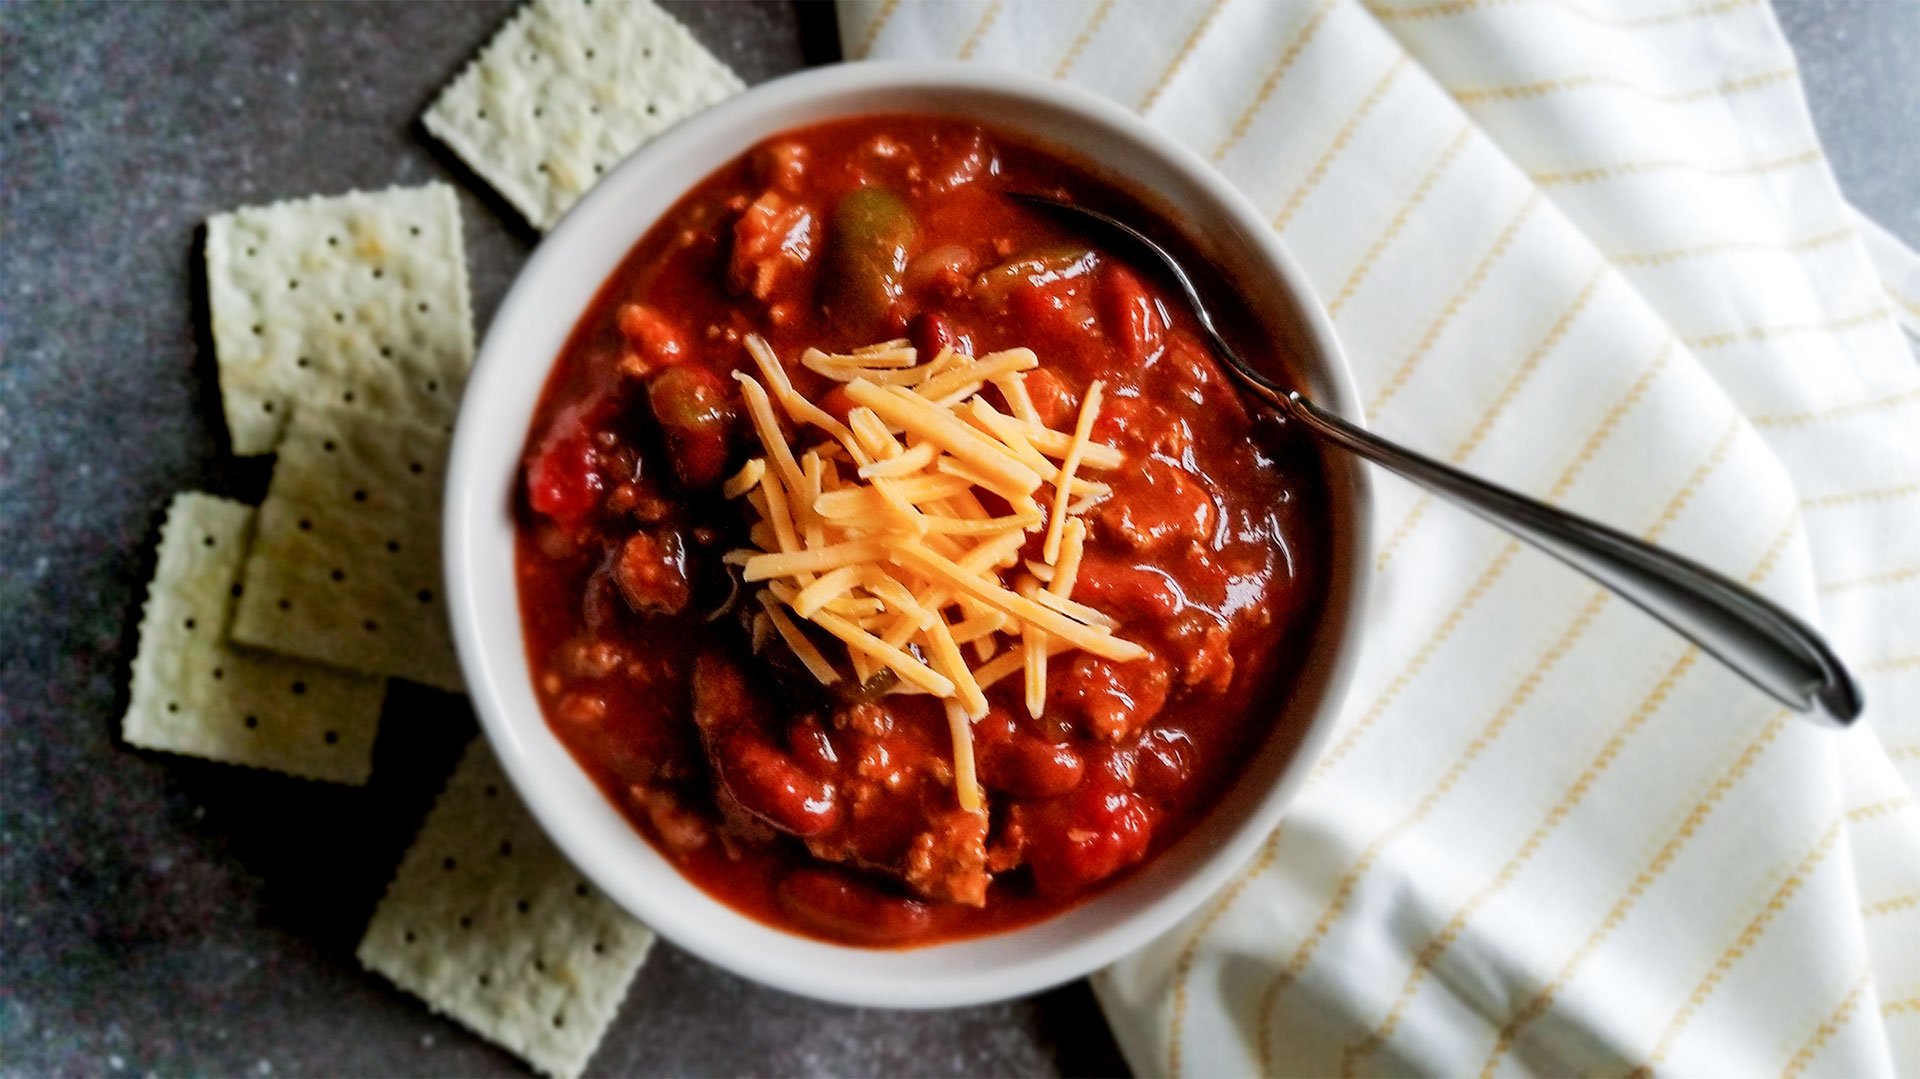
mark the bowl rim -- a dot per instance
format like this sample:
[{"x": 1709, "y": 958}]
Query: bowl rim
[{"x": 937, "y": 975}]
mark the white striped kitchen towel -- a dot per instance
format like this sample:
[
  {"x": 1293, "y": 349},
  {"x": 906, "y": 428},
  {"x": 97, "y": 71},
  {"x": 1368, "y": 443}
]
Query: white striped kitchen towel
[{"x": 1595, "y": 252}]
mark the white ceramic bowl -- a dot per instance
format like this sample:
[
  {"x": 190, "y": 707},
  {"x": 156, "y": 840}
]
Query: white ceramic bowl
[{"x": 533, "y": 325}]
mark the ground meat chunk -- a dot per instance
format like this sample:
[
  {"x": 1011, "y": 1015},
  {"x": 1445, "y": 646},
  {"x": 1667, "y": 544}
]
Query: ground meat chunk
[
  {"x": 1113, "y": 700},
  {"x": 651, "y": 572},
  {"x": 587, "y": 656},
  {"x": 773, "y": 239},
  {"x": 949, "y": 860},
  {"x": 678, "y": 827},
  {"x": 781, "y": 164},
  {"x": 1158, "y": 506}
]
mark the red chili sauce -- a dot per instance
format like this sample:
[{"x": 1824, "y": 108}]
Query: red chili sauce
[{"x": 834, "y": 816}]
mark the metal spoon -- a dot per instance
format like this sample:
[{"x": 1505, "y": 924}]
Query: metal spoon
[{"x": 1753, "y": 636}]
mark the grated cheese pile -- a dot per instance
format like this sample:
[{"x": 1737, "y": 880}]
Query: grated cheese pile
[{"x": 877, "y": 535}]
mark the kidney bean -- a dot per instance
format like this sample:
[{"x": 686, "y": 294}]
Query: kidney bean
[
  {"x": 1163, "y": 762},
  {"x": 773, "y": 787},
  {"x": 1126, "y": 590},
  {"x": 1026, "y": 767},
  {"x": 811, "y": 747},
  {"x": 1097, "y": 831},
  {"x": 930, "y": 331},
  {"x": 839, "y": 908}
]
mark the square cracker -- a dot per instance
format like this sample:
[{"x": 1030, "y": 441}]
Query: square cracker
[
  {"x": 345, "y": 565},
  {"x": 565, "y": 90},
  {"x": 488, "y": 923},
  {"x": 195, "y": 693},
  {"x": 358, "y": 301}
]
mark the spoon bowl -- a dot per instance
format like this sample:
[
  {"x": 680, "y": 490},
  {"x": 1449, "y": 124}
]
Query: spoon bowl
[{"x": 1753, "y": 636}]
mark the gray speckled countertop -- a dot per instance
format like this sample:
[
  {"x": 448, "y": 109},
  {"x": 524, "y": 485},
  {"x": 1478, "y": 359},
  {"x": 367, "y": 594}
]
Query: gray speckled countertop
[{"x": 159, "y": 914}]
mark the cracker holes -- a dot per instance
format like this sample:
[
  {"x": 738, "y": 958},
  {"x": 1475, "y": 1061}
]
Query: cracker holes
[
  {"x": 338, "y": 575},
  {"x": 492, "y": 791},
  {"x": 379, "y": 273},
  {"x": 370, "y": 626},
  {"x": 410, "y": 937},
  {"x": 306, "y": 524},
  {"x": 251, "y": 252},
  {"x": 219, "y": 673},
  {"x": 333, "y": 241},
  {"x": 303, "y": 363},
  {"x": 425, "y": 596},
  {"x": 173, "y": 706},
  {"x": 538, "y": 112},
  {"x": 540, "y": 966},
  {"x": 466, "y": 921},
  {"x": 416, "y": 467},
  {"x": 599, "y": 947},
  {"x": 207, "y": 540},
  {"x": 361, "y": 494},
  {"x": 189, "y": 623},
  {"x": 332, "y": 737},
  {"x": 393, "y": 546},
  {"x": 253, "y": 722},
  {"x": 412, "y": 230},
  {"x": 236, "y": 590},
  {"x": 285, "y": 604},
  {"x": 266, "y": 406},
  {"x": 541, "y": 168},
  {"x": 506, "y": 849},
  {"x": 593, "y": 110},
  {"x": 329, "y": 445},
  {"x": 480, "y": 114},
  {"x": 424, "y": 307},
  {"x": 386, "y": 352},
  {"x": 293, "y": 285},
  {"x": 299, "y": 688},
  {"x": 485, "y": 980},
  {"x": 339, "y": 316},
  {"x": 580, "y": 889},
  {"x": 524, "y": 907},
  {"x": 589, "y": 54},
  {"x": 559, "y": 1021},
  {"x": 448, "y": 864},
  {"x": 646, "y": 54},
  {"x": 258, "y": 329},
  {"x": 652, "y": 109},
  {"x": 347, "y": 397}
]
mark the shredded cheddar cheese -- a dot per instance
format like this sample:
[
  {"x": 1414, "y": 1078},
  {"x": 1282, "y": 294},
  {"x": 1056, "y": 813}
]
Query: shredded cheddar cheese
[{"x": 874, "y": 529}]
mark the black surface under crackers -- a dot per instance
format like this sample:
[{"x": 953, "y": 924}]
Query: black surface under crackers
[{"x": 163, "y": 914}]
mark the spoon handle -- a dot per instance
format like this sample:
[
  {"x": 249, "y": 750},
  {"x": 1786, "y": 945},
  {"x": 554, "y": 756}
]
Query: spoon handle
[{"x": 1755, "y": 637}]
